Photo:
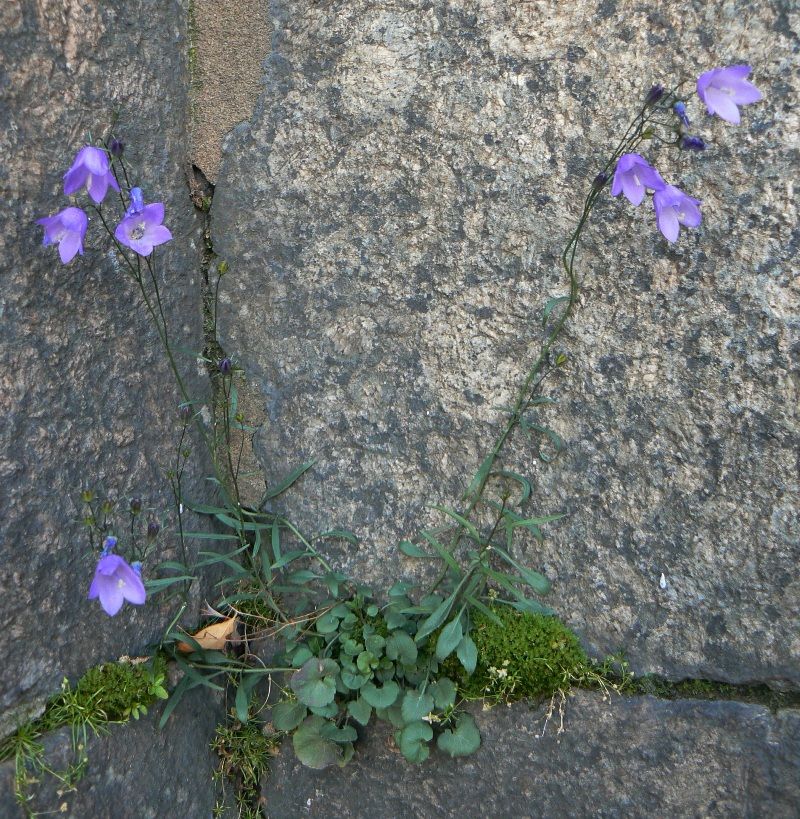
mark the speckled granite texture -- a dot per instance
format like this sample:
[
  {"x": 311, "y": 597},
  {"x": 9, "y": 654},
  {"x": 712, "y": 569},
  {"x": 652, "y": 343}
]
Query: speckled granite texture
[{"x": 393, "y": 218}]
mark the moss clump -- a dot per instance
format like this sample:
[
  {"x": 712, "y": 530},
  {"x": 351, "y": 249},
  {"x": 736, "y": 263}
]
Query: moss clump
[
  {"x": 522, "y": 656},
  {"x": 118, "y": 689}
]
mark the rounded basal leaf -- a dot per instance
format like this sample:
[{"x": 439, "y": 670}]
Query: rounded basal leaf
[
  {"x": 375, "y": 644},
  {"x": 416, "y": 705},
  {"x": 443, "y": 692},
  {"x": 315, "y": 683},
  {"x": 327, "y": 624},
  {"x": 413, "y": 741},
  {"x": 339, "y": 735},
  {"x": 372, "y": 610},
  {"x": 467, "y": 653},
  {"x": 464, "y": 740},
  {"x": 366, "y": 662},
  {"x": 449, "y": 638},
  {"x": 311, "y": 748},
  {"x": 301, "y": 655},
  {"x": 392, "y": 715},
  {"x": 286, "y": 716},
  {"x": 352, "y": 648},
  {"x": 354, "y": 681},
  {"x": 360, "y": 710},
  {"x": 330, "y": 710},
  {"x": 381, "y": 697},
  {"x": 400, "y": 646}
]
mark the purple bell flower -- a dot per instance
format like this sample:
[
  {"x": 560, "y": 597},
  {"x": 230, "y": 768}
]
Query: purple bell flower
[
  {"x": 673, "y": 209},
  {"x": 143, "y": 231},
  {"x": 92, "y": 170},
  {"x": 68, "y": 227},
  {"x": 632, "y": 175},
  {"x": 692, "y": 143},
  {"x": 723, "y": 89},
  {"x": 115, "y": 582}
]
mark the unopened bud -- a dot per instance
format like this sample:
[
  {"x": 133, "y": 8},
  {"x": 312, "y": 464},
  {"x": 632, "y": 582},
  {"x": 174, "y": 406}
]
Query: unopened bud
[
  {"x": 153, "y": 528},
  {"x": 136, "y": 506},
  {"x": 225, "y": 366},
  {"x": 87, "y": 496},
  {"x": 600, "y": 180},
  {"x": 654, "y": 94},
  {"x": 116, "y": 147}
]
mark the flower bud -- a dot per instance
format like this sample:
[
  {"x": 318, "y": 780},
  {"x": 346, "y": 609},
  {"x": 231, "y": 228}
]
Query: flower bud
[
  {"x": 222, "y": 268},
  {"x": 136, "y": 506},
  {"x": 109, "y": 544},
  {"x": 225, "y": 366},
  {"x": 654, "y": 94},
  {"x": 107, "y": 507},
  {"x": 692, "y": 143},
  {"x": 116, "y": 147},
  {"x": 87, "y": 496},
  {"x": 184, "y": 412},
  {"x": 137, "y": 567},
  {"x": 153, "y": 528},
  {"x": 600, "y": 180},
  {"x": 680, "y": 112}
]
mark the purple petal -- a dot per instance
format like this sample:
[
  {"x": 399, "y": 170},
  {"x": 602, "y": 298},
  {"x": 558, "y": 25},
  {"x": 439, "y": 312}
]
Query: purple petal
[
  {"x": 132, "y": 587},
  {"x": 735, "y": 72},
  {"x": 634, "y": 192},
  {"x": 111, "y": 598},
  {"x": 616, "y": 185},
  {"x": 94, "y": 159},
  {"x": 69, "y": 246},
  {"x": 154, "y": 214},
  {"x": 98, "y": 187},
  {"x": 74, "y": 179},
  {"x": 722, "y": 105},
  {"x": 667, "y": 221},
  {"x": 158, "y": 234},
  {"x": 691, "y": 213},
  {"x": 94, "y": 589},
  {"x": 745, "y": 92}
]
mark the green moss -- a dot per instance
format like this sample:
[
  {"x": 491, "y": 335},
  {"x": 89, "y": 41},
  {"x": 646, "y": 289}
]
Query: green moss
[
  {"x": 523, "y": 656},
  {"x": 244, "y": 750}
]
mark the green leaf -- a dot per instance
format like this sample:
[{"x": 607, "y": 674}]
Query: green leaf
[
  {"x": 375, "y": 644},
  {"x": 521, "y": 480},
  {"x": 400, "y": 646},
  {"x": 416, "y": 705},
  {"x": 551, "y": 305},
  {"x": 366, "y": 662},
  {"x": 413, "y": 741},
  {"x": 338, "y": 534},
  {"x": 355, "y": 681},
  {"x": 436, "y": 619},
  {"x": 462, "y": 521},
  {"x": 286, "y": 716},
  {"x": 283, "y": 485},
  {"x": 480, "y": 476},
  {"x": 412, "y": 550},
  {"x": 465, "y": 740},
  {"x": 327, "y": 624},
  {"x": 328, "y": 711},
  {"x": 313, "y": 749},
  {"x": 449, "y": 637},
  {"x": 467, "y": 653},
  {"x": 315, "y": 683},
  {"x": 340, "y": 735},
  {"x": 538, "y": 582},
  {"x": 443, "y": 692},
  {"x": 555, "y": 439},
  {"x": 360, "y": 710},
  {"x": 381, "y": 697}
]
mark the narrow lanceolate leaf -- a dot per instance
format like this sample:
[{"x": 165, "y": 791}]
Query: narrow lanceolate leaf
[
  {"x": 411, "y": 549},
  {"x": 436, "y": 619},
  {"x": 464, "y": 740},
  {"x": 551, "y": 305},
  {"x": 449, "y": 637},
  {"x": 283, "y": 485},
  {"x": 538, "y": 582},
  {"x": 467, "y": 653}
]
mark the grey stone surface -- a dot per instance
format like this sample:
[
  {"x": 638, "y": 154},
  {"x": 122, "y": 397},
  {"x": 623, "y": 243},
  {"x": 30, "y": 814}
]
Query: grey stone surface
[
  {"x": 615, "y": 758},
  {"x": 134, "y": 771},
  {"x": 86, "y": 396},
  {"x": 393, "y": 218}
]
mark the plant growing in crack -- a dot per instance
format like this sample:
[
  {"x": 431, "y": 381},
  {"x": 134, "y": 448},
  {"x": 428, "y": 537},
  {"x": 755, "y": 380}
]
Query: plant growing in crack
[{"x": 413, "y": 655}]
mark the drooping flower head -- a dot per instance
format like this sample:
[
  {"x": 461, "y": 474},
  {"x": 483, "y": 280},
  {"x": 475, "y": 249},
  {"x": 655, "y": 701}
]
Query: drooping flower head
[
  {"x": 632, "y": 175},
  {"x": 673, "y": 209},
  {"x": 92, "y": 170},
  {"x": 142, "y": 231},
  {"x": 115, "y": 582},
  {"x": 68, "y": 227},
  {"x": 723, "y": 89}
]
